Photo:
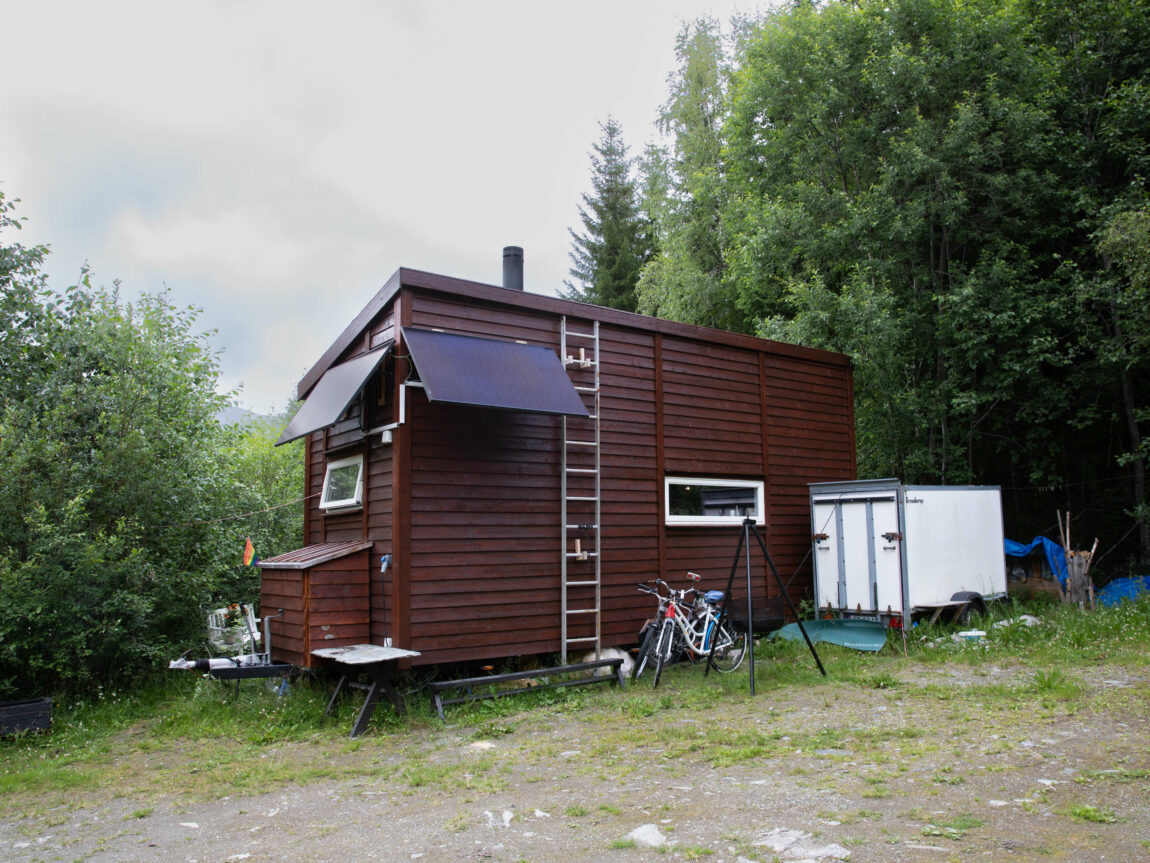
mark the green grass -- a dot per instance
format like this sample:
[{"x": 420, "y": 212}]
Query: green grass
[
  {"x": 188, "y": 737},
  {"x": 1092, "y": 814}
]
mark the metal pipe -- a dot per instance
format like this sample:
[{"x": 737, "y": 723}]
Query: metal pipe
[{"x": 513, "y": 267}]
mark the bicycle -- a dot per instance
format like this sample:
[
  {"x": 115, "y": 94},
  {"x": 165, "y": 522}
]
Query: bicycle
[
  {"x": 650, "y": 629},
  {"x": 689, "y": 621}
]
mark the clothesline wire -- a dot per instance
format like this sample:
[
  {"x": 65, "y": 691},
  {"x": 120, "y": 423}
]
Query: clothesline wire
[{"x": 239, "y": 515}]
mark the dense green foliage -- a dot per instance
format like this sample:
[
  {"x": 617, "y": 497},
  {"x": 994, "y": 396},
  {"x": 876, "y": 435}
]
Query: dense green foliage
[
  {"x": 953, "y": 195},
  {"x": 114, "y": 473},
  {"x": 617, "y": 238},
  {"x": 684, "y": 189}
]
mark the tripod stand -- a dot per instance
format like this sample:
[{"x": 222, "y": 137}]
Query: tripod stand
[{"x": 745, "y": 540}]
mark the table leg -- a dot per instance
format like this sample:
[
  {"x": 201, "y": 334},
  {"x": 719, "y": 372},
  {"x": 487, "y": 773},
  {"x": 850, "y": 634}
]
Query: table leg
[
  {"x": 380, "y": 686},
  {"x": 335, "y": 695}
]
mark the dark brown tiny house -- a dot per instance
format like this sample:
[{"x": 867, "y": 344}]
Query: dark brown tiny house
[{"x": 471, "y": 449}]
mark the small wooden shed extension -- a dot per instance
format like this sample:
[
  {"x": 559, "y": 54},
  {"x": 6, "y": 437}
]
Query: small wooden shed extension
[
  {"x": 323, "y": 591},
  {"x": 489, "y": 499}
]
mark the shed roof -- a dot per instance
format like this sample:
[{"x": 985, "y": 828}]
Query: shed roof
[{"x": 314, "y": 555}]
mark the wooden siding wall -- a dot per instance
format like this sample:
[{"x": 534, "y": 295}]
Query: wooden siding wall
[
  {"x": 338, "y": 602},
  {"x": 285, "y": 588},
  {"x": 631, "y": 484},
  {"x": 379, "y": 525},
  {"x": 712, "y": 414},
  {"x": 325, "y": 606},
  {"x": 375, "y": 519},
  {"x": 810, "y": 438},
  {"x": 484, "y": 558}
]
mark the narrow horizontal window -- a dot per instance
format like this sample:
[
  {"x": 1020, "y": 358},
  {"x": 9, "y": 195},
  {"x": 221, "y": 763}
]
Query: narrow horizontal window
[
  {"x": 343, "y": 484},
  {"x": 711, "y": 501}
]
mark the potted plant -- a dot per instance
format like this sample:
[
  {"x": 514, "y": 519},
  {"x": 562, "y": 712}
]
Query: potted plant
[{"x": 233, "y": 624}]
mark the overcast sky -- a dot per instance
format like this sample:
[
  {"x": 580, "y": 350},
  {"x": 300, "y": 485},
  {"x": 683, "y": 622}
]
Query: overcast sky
[{"x": 273, "y": 163}]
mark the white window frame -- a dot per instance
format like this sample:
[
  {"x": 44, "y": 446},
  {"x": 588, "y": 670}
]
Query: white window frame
[
  {"x": 354, "y": 502},
  {"x": 713, "y": 520}
]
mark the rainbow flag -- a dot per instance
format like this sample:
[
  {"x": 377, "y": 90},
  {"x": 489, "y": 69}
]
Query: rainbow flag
[{"x": 250, "y": 558}]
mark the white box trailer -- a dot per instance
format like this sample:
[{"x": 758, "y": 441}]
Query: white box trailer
[{"x": 883, "y": 549}]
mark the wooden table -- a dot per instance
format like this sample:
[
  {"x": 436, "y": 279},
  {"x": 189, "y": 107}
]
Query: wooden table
[{"x": 377, "y": 662}]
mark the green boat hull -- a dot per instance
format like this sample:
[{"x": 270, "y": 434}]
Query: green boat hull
[{"x": 869, "y": 635}]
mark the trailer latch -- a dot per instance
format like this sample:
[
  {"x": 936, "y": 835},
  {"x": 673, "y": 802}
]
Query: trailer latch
[
  {"x": 819, "y": 537},
  {"x": 892, "y": 536}
]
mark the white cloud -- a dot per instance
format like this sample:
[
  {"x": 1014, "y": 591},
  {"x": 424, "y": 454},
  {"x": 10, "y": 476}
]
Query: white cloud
[{"x": 252, "y": 156}]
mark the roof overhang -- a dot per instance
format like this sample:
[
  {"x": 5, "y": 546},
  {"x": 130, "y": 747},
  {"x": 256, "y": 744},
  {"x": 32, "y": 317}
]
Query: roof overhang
[
  {"x": 513, "y": 376},
  {"x": 314, "y": 555},
  {"x": 333, "y": 393}
]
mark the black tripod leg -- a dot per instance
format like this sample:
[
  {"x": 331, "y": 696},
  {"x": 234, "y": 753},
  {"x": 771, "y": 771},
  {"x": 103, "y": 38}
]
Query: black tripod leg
[
  {"x": 787, "y": 599},
  {"x": 726, "y": 598}
]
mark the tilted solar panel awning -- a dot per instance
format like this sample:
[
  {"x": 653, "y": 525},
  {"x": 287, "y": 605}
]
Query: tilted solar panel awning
[
  {"x": 332, "y": 394},
  {"x": 512, "y": 376}
]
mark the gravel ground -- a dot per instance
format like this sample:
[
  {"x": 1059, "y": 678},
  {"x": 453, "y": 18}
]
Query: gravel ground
[{"x": 939, "y": 762}]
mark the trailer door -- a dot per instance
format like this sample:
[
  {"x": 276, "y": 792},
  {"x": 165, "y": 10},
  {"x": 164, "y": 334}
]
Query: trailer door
[{"x": 857, "y": 564}]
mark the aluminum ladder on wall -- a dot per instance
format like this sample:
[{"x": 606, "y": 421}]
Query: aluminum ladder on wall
[{"x": 580, "y": 493}]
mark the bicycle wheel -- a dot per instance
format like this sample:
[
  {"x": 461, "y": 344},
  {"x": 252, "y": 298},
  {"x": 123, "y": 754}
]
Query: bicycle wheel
[
  {"x": 732, "y": 647},
  {"x": 645, "y": 657},
  {"x": 665, "y": 647}
]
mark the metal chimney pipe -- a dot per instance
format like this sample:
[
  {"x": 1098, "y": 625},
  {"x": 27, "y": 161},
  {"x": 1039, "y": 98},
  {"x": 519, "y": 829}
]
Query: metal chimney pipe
[{"x": 513, "y": 267}]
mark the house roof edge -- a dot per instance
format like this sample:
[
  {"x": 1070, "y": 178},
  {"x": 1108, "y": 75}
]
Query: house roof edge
[{"x": 423, "y": 280}]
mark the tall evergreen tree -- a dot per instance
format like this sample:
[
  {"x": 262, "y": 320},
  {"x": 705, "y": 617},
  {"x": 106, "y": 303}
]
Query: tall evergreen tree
[
  {"x": 687, "y": 280},
  {"x": 617, "y": 237}
]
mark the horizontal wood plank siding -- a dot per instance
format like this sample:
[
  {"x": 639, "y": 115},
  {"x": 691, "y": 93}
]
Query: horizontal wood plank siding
[
  {"x": 484, "y": 510},
  {"x": 481, "y": 577},
  {"x": 284, "y": 588},
  {"x": 711, "y": 416},
  {"x": 325, "y": 606},
  {"x": 810, "y": 438},
  {"x": 630, "y": 480},
  {"x": 379, "y": 529},
  {"x": 313, "y": 484}
]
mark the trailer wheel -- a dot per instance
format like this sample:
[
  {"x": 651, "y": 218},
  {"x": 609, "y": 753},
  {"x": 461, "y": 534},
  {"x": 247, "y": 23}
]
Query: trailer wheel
[{"x": 974, "y": 602}]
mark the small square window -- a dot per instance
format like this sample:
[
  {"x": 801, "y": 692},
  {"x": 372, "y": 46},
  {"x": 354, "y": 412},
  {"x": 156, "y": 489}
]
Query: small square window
[
  {"x": 343, "y": 484},
  {"x": 712, "y": 502}
]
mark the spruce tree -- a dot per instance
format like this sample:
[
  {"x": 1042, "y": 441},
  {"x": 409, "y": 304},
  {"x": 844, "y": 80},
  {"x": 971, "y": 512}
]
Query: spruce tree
[{"x": 617, "y": 238}]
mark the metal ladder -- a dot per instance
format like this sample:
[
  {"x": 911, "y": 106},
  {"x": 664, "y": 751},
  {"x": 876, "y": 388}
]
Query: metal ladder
[{"x": 580, "y": 493}]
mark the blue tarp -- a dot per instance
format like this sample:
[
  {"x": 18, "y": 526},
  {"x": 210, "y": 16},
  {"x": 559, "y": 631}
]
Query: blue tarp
[
  {"x": 1055, "y": 555},
  {"x": 1123, "y": 588}
]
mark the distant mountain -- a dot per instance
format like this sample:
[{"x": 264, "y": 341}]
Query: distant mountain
[{"x": 236, "y": 415}]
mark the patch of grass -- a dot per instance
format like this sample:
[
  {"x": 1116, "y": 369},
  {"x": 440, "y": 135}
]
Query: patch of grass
[
  {"x": 575, "y": 811},
  {"x": 884, "y": 680},
  {"x": 608, "y": 809},
  {"x": 187, "y": 738},
  {"x": 453, "y": 776},
  {"x": 946, "y": 776},
  {"x": 1092, "y": 814},
  {"x": 621, "y": 844},
  {"x": 493, "y": 729},
  {"x": 1054, "y": 683},
  {"x": 458, "y": 823},
  {"x": 955, "y": 828},
  {"x": 851, "y": 817}
]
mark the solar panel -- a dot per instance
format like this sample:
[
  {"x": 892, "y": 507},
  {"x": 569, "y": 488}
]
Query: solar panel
[
  {"x": 333, "y": 393},
  {"x": 467, "y": 370}
]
